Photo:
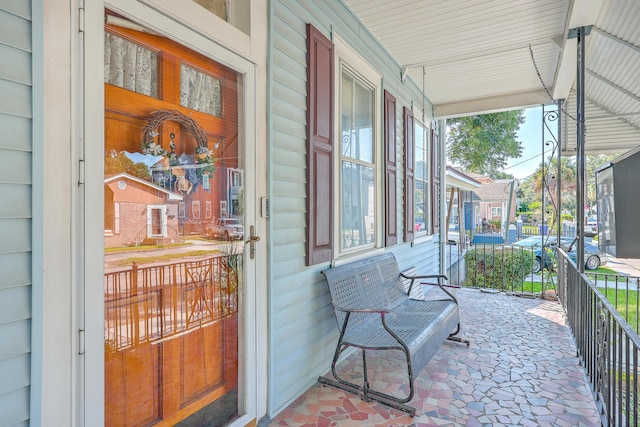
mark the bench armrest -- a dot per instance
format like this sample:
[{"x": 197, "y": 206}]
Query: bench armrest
[
  {"x": 431, "y": 276},
  {"x": 425, "y": 276}
]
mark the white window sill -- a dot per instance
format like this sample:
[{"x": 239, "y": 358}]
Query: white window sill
[{"x": 423, "y": 238}]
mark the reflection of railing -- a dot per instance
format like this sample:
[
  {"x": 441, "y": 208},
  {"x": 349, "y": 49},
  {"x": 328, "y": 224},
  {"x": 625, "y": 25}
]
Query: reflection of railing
[
  {"x": 146, "y": 304},
  {"x": 138, "y": 237},
  {"x": 607, "y": 345}
]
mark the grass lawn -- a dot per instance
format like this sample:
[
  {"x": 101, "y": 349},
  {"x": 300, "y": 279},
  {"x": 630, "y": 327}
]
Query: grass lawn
[
  {"x": 602, "y": 270},
  {"x": 626, "y": 302}
]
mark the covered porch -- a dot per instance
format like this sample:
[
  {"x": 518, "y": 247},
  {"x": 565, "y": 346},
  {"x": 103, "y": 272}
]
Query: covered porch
[
  {"x": 520, "y": 369},
  {"x": 523, "y": 366}
]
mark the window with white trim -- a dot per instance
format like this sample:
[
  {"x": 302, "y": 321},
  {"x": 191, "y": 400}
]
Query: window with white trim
[
  {"x": 359, "y": 180},
  {"x": 156, "y": 221},
  {"x": 421, "y": 196},
  {"x": 496, "y": 211},
  {"x": 195, "y": 209}
]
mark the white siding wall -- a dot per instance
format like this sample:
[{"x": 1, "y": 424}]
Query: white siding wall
[
  {"x": 15, "y": 210},
  {"x": 303, "y": 330}
]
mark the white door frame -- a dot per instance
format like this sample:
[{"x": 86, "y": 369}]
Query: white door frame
[{"x": 163, "y": 17}]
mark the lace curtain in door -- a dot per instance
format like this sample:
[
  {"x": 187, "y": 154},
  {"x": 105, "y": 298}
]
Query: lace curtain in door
[{"x": 130, "y": 66}]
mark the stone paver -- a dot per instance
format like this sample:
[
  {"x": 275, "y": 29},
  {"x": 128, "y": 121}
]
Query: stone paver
[{"x": 520, "y": 369}]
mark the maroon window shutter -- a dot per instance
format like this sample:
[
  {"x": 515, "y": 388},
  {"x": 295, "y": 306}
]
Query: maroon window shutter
[
  {"x": 319, "y": 147},
  {"x": 391, "y": 223},
  {"x": 409, "y": 174},
  {"x": 435, "y": 180}
]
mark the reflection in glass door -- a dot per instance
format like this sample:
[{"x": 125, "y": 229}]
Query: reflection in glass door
[{"x": 173, "y": 233}]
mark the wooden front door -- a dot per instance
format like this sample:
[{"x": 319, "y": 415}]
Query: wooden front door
[{"x": 174, "y": 189}]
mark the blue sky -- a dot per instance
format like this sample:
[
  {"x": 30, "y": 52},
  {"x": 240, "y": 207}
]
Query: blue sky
[{"x": 530, "y": 134}]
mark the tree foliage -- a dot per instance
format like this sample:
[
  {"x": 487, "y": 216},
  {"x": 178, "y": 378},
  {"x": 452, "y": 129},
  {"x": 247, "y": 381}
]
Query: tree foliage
[
  {"x": 501, "y": 175},
  {"x": 115, "y": 163},
  {"x": 483, "y": 143},
  {"x": 531, "y": 188}
]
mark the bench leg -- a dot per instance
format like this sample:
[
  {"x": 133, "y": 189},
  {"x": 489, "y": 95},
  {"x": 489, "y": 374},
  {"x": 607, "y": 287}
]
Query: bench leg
[
  {"x": 364, "y": 391},
  {"x": 452, "y": 337}
]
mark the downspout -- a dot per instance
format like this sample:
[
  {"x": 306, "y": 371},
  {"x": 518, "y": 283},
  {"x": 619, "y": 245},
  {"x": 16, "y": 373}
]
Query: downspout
[
  {"x": 580, "y": 141},
  {"x": 442, "y": 197},
  {"x": 543, "y": 179}
]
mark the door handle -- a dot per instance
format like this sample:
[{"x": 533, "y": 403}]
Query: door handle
[{"x": 252, "y": 242}]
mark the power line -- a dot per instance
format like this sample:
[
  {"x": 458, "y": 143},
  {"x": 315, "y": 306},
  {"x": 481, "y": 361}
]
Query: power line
[{"x": 526, "y": 160}]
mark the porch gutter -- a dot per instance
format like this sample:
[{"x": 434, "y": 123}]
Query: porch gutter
[
  {"x": 442, "y": 129},
  {"x": 580, "y": 155}
]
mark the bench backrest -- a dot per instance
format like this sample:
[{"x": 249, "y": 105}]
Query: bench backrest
[{"x": 369, "y": 283}]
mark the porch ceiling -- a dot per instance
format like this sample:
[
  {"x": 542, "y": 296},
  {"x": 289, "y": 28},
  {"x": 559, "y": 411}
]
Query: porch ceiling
[{"x": 476, "y": 56}]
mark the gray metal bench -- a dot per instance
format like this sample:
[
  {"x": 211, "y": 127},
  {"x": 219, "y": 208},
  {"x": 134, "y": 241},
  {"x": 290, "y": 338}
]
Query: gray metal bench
[{"x": 372, "y": 304}]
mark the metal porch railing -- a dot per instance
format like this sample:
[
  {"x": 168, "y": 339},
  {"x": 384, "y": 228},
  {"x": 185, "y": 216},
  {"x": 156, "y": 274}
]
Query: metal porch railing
[{"x": 607, "y": 345}]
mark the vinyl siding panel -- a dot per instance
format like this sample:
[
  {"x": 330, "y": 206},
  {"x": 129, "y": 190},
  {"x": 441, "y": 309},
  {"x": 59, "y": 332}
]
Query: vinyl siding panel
[
  {"x": 14, "y": 339},
  {"x": 14, "y": 407},
  {"x": 16, "y": 133},
  {"x": 14, "y": 371},
  {"x": 21, "y": 8},
  {"x": 15, "y": 211},
  {"x": 16, "y": 99},
  {"x": 16, "y": 167},
  {"x": 15, "y": 65},
  {"x": 15, "y": 304},
  {"x": 15, "y": 268},
  {"x": 16, "y": 201},
  {"x": 16, "y": 30},
  {"x": 303, "y": 330}
]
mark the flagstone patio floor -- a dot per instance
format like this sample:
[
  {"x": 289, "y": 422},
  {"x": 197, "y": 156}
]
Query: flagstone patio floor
[{"x": 521, "y": 369}]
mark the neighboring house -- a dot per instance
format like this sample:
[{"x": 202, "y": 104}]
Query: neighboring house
[
  {"x": 125, "y": 198},
  {"x": 326, "y": 146},
  {"x": 497, "y": 199},
  {"x": 461, "y": 197}
]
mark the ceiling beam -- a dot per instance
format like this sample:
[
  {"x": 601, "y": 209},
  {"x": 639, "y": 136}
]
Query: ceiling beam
[
  {"x": 493, "y": 104},
  {"x": 581, "y": 13}
]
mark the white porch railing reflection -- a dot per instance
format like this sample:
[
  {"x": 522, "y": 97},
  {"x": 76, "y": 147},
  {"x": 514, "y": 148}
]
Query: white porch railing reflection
[{"x": 145, "y": 304}]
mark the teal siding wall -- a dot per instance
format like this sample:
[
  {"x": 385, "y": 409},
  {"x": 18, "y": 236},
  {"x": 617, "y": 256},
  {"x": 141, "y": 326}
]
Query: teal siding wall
[
  {"x": 303, "y": 329},
  {"x": 15, "y": 210}
]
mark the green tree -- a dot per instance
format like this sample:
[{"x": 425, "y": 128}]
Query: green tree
[
  {"x": 501, "y": 175},
  {"x": 483, "y": 143},
  {"x": 115, "y": 162},
  {"x": 548, "y": 182},
  {"x": 567, "y": 180}
]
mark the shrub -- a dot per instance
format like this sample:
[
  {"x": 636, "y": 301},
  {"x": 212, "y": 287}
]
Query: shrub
[{"x": 498, "y": 267}]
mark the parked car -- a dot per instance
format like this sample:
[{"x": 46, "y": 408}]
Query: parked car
[
  {"x": 535, "y": 244},
  {"x": 593, "y": 257},
  {"x": 227, "y": 228},
  {"x": 591, "y": 229}
]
